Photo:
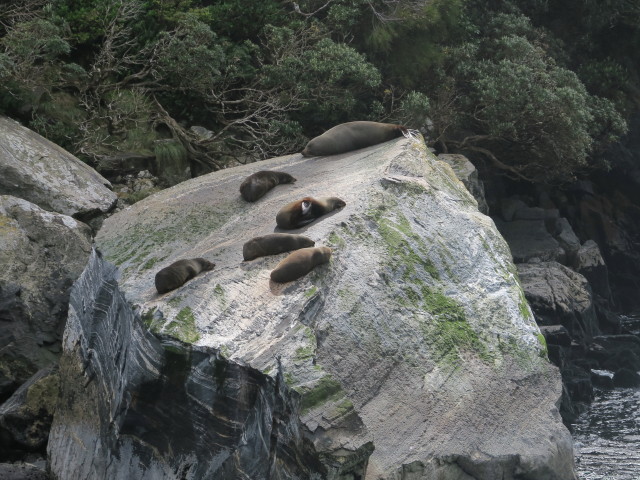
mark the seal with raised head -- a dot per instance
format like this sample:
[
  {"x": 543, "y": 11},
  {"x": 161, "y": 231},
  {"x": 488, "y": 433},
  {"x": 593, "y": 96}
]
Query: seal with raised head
[
  {"x": 257, "y": 185},
  {"x": 178, "y": 273},
  {"x": 299, "y": 213},
  {"x": 273, "y": 244},
  {"x": 352, "y": 136},
  {"x": 299, "y": 263}
]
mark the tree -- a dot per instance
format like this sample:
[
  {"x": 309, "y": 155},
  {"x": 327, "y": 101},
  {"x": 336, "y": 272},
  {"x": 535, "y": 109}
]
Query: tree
[{"x": 530, "y": 117}]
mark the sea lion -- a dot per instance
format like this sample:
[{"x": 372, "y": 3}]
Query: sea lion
[
  {"x": 177, "y": 274},
  {"x": 273, "y": 244},
  {"x": 299, "y": 263},
  {"x": 299, "y": 213},
  {"x": 352, "y": 136},
  {"x": 257, "y": 185}
]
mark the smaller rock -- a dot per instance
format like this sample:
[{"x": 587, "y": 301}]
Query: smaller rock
[
  {"x": 625, "y": 378},
  {"x": 529, "y": 239},
  {"x": 468, "y": 175},
  {"x": 601, "y": 379},
  {"x": 22, "y": 471},
  {"x": 25, "y": 418},
  {"x": 509, "y": 207},
  {"x": 567, "y": 239},
  {"x": 589, "y": 262},
  {"x": 624, "y": 358},
  {"x": 556, "y": 335},
  {"x": 530, "y": 213}
]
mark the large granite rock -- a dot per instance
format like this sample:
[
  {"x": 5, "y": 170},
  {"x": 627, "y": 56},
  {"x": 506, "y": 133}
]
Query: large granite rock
[
  {"x": 137, "y": 406},
  {"x": 415, "y": 339},
  {"x": 33, "y": 168},
  {"x": 41, "y": 254}
]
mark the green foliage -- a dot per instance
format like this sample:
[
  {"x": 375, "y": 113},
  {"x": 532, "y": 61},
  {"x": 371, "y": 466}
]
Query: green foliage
[
  {"x": 31, "y": 54},
  {"x": 413, "y": 110},
  {"x": 533, "y": 113},
  {"x": 85, "y": 19},
  {"x": 536, "y": 88},
  {"x": 245, "y": 19},
  {"x": 330, "y": 81},
  {"x": 191, "y": 57}
]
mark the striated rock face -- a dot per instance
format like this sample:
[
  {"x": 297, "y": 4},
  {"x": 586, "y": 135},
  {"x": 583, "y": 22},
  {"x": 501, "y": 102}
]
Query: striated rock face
[
  {"x": 415, "y": 342},
  {"x": 33, "y": 168},
  {"x": 137, "y": 406},
  {"x": 41, "y": 254}
]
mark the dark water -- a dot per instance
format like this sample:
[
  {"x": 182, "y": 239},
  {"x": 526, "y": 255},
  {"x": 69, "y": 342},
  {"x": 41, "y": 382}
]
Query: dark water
[{"x": 607, "y": 436}]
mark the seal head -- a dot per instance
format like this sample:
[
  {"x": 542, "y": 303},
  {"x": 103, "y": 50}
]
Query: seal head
[{"x": 301, "y": 212}]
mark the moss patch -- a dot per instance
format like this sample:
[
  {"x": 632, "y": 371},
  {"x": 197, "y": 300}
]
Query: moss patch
[
  {"x": 404, "y": 247},
  {"x": 325, "y": 389},
  {"x": 183, "y": 327},
  {"x": 543, "y": 342},
  {"x": 43, "y": 394},
  {"x": 523, "y": 306},
  {"x": 449, "y": 333}
]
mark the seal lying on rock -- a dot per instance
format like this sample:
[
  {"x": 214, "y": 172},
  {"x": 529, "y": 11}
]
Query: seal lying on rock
[
  {"x": 299, "y": 213},
  {"x": 178, "y": 273},
  {"x": 352, "y": 136},
  {"x": 257, "y": 185},
  {"x": 273, "y": 244},
  {"x": 299, "y": 263}
]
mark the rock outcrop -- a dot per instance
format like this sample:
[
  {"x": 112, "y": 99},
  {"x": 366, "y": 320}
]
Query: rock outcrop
[
  {"x": 415, "y": 345},
  {"x": 137, "y": 406},
  {"x": 25, "y": 419},
  {"x": 41, "y": 254},
  {"x": 33, "y": 168}
]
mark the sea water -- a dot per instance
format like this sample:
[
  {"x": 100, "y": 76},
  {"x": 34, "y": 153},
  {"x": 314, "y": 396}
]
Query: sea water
[{"x": 607, "y": 436}]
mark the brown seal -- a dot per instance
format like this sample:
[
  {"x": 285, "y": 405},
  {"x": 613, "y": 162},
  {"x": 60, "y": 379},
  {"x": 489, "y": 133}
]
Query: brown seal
[
  {"x": 273, "y": 244},
  {"x": 299, "y": 213},
  {"x": 352, "y": 136},
  {"x": 176, "y": 274},
  {"x": 299, "y": 263},
  {"x": 257, "y": 185}
]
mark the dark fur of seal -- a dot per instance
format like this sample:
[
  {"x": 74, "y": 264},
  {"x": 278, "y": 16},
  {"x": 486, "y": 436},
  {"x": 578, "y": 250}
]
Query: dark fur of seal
[
  {"x": 352, "y": 136},
  {"x": 299, "y": 263},
  {"x": 299, "y": 213},
  {"x": 273, "y": 244},
  {"x": 257, "y": 185},
  {"x": 178, "y": 273}
]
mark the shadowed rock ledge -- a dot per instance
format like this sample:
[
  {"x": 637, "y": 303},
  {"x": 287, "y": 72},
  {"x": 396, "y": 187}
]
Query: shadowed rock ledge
[{"x": 416, "y": 339}]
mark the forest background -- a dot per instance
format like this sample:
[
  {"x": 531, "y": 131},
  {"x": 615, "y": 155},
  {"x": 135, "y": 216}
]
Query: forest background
[{"x": 534, "y": 89}]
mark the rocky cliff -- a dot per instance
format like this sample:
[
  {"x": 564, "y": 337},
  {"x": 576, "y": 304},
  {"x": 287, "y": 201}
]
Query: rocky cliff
[{"x": 414, "y": 342}]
